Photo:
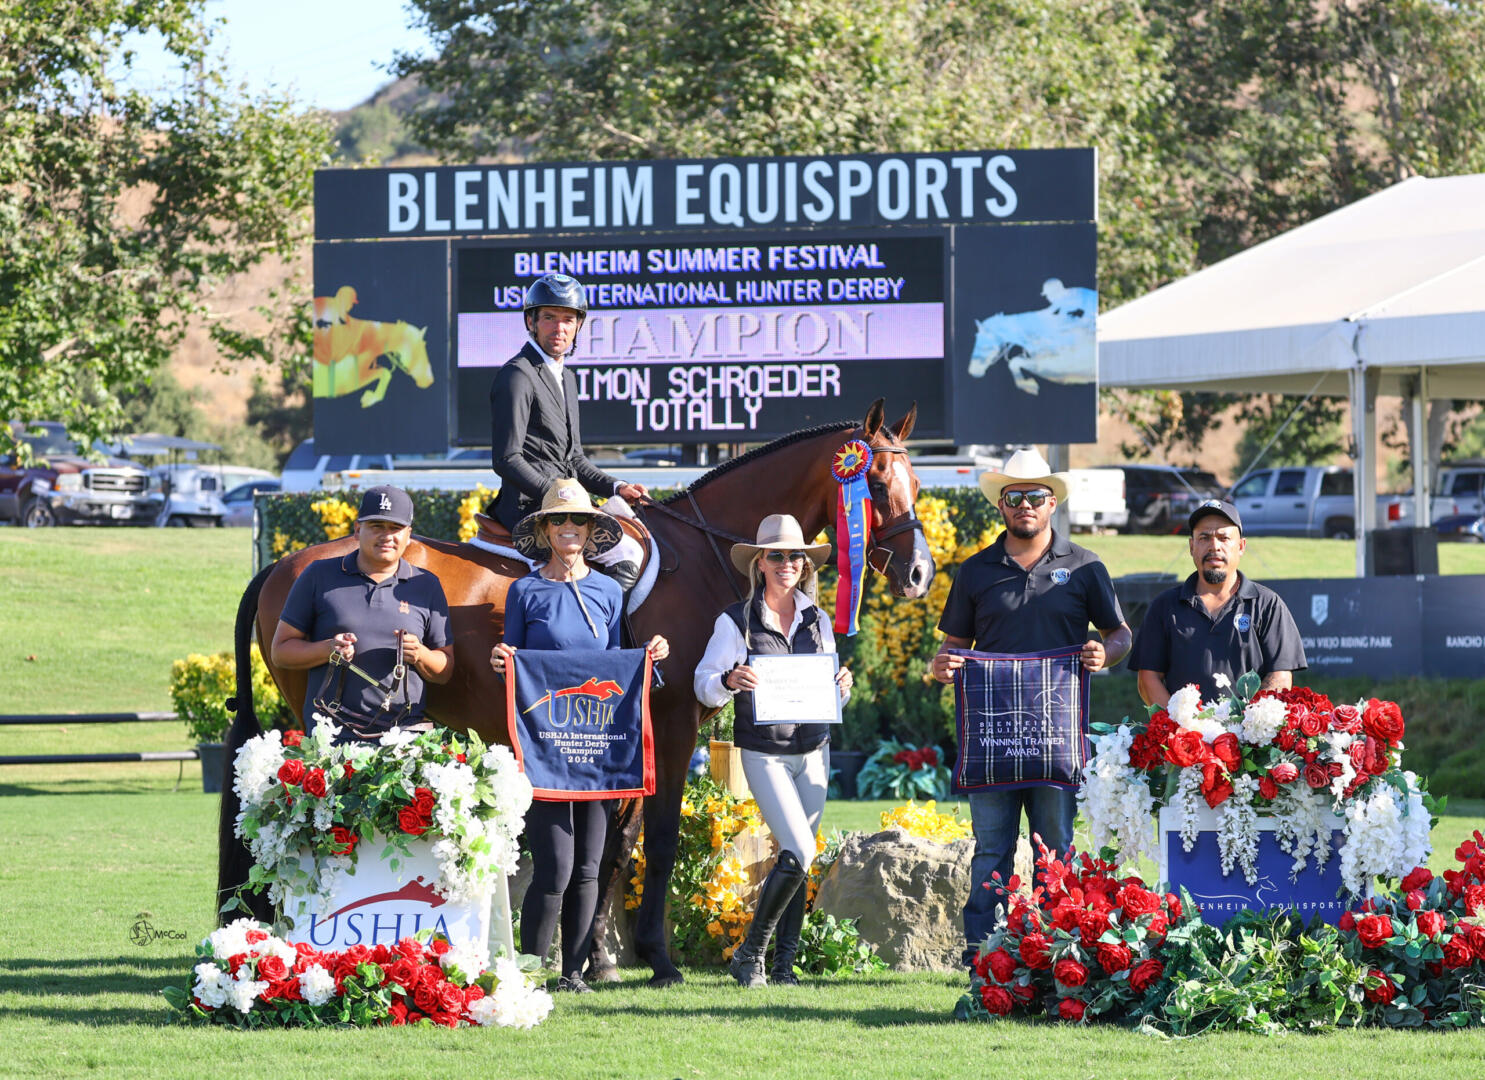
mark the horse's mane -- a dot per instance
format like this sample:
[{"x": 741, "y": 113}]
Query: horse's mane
[{"x": 761, "y": 451}]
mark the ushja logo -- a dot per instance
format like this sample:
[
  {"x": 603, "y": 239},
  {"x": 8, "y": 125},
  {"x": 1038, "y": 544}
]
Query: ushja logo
[{"x": 581, "y": 706}]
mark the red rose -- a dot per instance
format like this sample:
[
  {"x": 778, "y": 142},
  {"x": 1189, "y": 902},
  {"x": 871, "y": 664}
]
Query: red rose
[
  {"x": 930, "y": 755},
  {"x": 1313, "y": 724},
  {"x": 1286, "y": 740},
  {"x": 1137, "y": 901},
  {"x": 902, "y": 757},
  {"x": 1002, "y": 966},
  {"x": 254, "y": 936},
  {"x": 1347, "y": 921},
  {"x": 1431, "y": 923},
  {"x": 1267, "y": 788},
  {"x": 1186, "y": 748},
  {"x": 1093, "y": 925},
  {"x": 345, "y": 838},
  {"x": 1034, "y": 952},
  {"x": 1383, "y": 720},
  {"x": 272, "y": 968},
  {"x": 1216, "y": 787},
  {"x": 426, "y": 997},
  {"x": 1346, "y": 718},
  {"x": 402, "y": 972},
  {"x": 1317, "y": 776},
  {"x": 1145, "y": 752},
  {"x": 1069, "y": 972},
  {"x": 1357, "y": 753},
  {"x": 291, "y": 772},
  {"x": 1066, "y": 916},
  {"x": 314, "y": 783},
  {"x": 1477, "y": 940},
  {"x": 1457, "y": 951},
  {"x": 1374, "y": 930},
  {"x": 411, "y": 822},
  {"x": 451, "y": 998},
  {"x": 293, "y": 737},
  {"x": 997, "y": 1001},
  {"x": 1420, "y": 877},
  {"x": 1071, "y": 1010},
  {"x": 1114, "y": 958},
  {"x": 1155, "y": 927},
  {"x": 1376, "y": 756},
  {"x": 472, "y": 993},
  {"x": 1383, "y": 994},
  {"x": 397, "y": 1012},
  {"x": 439, "y": 946},
  {"x": 1228, "y": 751},
  {"x": 1146, "y": 974},
  {"x": 1173, "y": 905},
  {"x": 350, "y": 770},
  {"x": 1025, "y": 993},
  {"x": 1285, "y": 772},
  {"x": 1414, "y": 899},
  {"x": 410, "y": 948},
  {"x": 981, "y": 965},
  {"x": 422, "y": 801}
]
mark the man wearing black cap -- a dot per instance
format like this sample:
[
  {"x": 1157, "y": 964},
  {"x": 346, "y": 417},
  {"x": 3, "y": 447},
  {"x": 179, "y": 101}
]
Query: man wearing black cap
[
  {"x": 1217, "y": 621},
  {"x": 378, "y": 612}
]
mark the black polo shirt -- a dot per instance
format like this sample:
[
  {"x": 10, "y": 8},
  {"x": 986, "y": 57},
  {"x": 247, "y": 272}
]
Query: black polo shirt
[
  {"x": 333, "y": 596},
  {"x": 1252, "y": 632},
  {"x": 1006, "y": 609}
]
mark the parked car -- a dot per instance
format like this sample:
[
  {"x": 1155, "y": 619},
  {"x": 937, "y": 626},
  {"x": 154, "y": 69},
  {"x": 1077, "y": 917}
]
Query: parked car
[
  {"x": 1459, "y": 490},
  {"x": 194, "y": 493},
  {"x": 1161, "y": 497},
  {"x": 239, "y": 501},
  {"x": 1465, "y": 528},
  {"x": 63, "y": 487},
  {"x": 1309, "y": 500},
  {"x": 306, "y": 468}
]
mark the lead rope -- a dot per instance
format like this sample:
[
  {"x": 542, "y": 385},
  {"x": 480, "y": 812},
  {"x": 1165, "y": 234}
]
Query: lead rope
[{"x": 579, "y": 594}]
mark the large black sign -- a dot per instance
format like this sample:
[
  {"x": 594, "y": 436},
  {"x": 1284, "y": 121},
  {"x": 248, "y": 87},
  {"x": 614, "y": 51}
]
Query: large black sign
[
  {"x": 730, "y": 300},
  {"x": 874, "y": 190}
]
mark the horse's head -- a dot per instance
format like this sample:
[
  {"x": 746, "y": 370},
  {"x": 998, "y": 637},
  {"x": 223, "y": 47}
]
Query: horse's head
[
  {"x": 990, "y": 344},
  {"x": 411, "y": 354},
  {"x": 899, "y": 550}
]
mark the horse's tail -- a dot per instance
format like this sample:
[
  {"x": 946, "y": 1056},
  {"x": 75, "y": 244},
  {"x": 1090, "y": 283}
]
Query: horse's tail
[{"x": 233, "y": 860}]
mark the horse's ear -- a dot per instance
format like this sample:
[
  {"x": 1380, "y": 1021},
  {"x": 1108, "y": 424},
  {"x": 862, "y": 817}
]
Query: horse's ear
[
  {"x": 904, "y": 427},
  {"x": 875, "y": 416},
  {"x": 979, "y": 324}
]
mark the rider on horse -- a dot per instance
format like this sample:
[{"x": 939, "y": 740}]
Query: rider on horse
[{"x": 535, "y": 436}]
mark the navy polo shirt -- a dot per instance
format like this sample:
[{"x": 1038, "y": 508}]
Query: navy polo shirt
[
  {"x": 1006, "y": 609},
  {"x": 334, "y": 596},
  {"x": 1252, "y": 632}
]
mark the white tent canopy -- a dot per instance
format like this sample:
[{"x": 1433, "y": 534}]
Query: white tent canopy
[{"x": 1387, "y": 294}]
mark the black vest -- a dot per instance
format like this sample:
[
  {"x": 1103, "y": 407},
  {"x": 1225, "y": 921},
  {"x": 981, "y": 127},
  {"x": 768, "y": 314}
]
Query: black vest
[{"x": 762, "y": 640}]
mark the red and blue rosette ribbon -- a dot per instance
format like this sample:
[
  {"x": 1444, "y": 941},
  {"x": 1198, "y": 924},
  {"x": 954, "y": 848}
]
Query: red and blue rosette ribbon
[{"x": 852, "y": 531}]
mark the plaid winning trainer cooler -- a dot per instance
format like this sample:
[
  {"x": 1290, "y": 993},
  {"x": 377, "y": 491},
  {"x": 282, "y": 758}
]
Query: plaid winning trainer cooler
[{"x": 1022, "y": 719}]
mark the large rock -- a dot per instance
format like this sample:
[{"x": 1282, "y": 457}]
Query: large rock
[{"x": 906, "y": 894}]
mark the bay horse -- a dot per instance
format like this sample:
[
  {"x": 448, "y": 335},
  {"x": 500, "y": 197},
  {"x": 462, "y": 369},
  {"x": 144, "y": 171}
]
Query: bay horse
[{"x": 693, "y": 530}]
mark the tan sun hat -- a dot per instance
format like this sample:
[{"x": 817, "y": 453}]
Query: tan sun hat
[
  {"x": 1024, "y": 467},
  {"x": 565, "y": 496},
  {"x": 778, "y": 532}
]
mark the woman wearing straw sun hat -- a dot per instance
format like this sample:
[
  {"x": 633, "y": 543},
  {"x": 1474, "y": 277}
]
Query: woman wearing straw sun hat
[
  {"x": 787, "y": 765},
  {"x": 564, "y": 605}
]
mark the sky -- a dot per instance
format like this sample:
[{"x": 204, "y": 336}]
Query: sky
[{"x": 331, "y": 53}]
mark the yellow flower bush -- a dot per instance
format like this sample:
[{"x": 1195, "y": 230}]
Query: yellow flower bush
[
  {"x": 283, "y": 545},
  {"x": 201, "y": 684},
  {"x": 926, "y": 821},
  {"x": 338, "y": 516},
  {"x": 473, "y": 503}
]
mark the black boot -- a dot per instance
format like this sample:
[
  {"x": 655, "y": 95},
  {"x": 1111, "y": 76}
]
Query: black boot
[
  {"x": 786, "y": 944},
  {"x": 784, "y": 880}
]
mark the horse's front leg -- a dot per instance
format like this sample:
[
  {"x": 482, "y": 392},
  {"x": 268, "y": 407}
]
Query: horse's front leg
[
  {"x": 662, "y": 823},
  {"x": 613, "y": 879},
  {"x": 379, "y": 391}
]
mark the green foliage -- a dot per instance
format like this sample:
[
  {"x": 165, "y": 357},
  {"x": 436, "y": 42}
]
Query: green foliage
[
  {"x": 1263, "y": 974},
  {"x": 901, "y": 771},
  {"x": 1315, "y": 434},
  {"x": 200, "y": 686},
  {"x": 119, "y": 213},
  {"x": 373, "y": 133},
  {"x": 831, "y": 947}
]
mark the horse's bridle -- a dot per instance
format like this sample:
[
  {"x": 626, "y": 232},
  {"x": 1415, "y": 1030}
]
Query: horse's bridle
[{"x": 907, "y": 523}]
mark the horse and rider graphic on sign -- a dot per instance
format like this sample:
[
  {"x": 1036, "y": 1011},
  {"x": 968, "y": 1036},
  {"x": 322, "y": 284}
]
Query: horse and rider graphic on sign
[{"x": 354, "y": 353}]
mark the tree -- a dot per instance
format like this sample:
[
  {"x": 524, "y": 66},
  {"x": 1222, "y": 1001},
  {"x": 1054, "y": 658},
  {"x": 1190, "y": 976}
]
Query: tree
[
  {"x": 119, "y": 212},
  {"x": 698, "y": 78}
]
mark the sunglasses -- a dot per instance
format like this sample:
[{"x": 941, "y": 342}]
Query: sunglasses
[
  {"x": 1014, "y": 499},
  {"x": 576, "y": 519},
  {"x": 782, "y": 556}
]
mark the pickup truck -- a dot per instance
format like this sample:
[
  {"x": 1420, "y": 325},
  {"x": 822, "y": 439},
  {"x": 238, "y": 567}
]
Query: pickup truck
[
  {"x": 62, "y": 486},
  {"x": 1307, "y": 500}
]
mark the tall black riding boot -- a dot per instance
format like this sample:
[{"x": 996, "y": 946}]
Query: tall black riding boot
[
  {"x": 784, "y": 880},
  {"x": 786, "y": 944}
]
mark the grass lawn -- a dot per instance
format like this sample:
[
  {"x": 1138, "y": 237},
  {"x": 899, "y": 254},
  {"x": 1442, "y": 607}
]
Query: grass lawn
[{"x": 79, "y": 997}]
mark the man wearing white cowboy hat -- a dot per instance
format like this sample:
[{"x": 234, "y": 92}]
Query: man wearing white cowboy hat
[
  {"x": 787, "y": 765},
  {"x": 1031, "y": 591}
]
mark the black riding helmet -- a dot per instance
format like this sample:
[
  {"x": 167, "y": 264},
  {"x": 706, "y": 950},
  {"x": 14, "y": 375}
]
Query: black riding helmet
[{"x": 556, "y": 290}]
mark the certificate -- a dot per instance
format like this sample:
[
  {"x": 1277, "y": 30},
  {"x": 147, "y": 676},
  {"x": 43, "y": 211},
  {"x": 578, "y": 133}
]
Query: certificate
[{"x": 796, "y": 688}]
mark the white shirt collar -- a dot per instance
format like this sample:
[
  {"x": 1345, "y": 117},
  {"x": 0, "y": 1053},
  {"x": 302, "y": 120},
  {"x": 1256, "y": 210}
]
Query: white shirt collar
[{"x": 771, "y": 620}]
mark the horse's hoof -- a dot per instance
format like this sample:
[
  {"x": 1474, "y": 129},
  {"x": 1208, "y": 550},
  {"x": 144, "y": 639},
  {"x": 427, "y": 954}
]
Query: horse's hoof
[
  {"x": 666, "y": 978},
  {"x": 605, "y": 974}
]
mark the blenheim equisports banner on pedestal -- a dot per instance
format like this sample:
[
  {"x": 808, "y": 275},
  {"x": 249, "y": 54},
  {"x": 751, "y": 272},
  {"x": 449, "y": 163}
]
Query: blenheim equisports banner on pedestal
[
  {"x": 1021, "y": 719},
  {"x": 580, "y": 722}
]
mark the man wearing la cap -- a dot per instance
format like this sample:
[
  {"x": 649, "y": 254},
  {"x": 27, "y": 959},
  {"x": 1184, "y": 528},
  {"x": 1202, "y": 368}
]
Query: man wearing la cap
[
  {"x": 1031, "y": 591},
  {"x": 1217, "y": 622},
  {"x": 535, "y": 434},
  {"x": 359, "y": 606}
]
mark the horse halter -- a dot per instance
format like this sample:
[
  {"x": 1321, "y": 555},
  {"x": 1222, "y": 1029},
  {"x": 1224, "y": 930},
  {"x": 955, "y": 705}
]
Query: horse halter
[{"x": 908, "y": 523}]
